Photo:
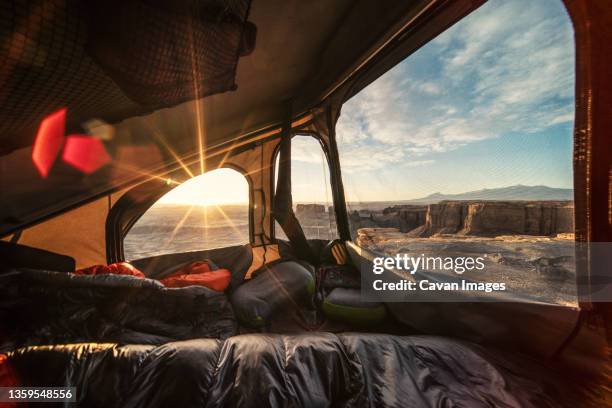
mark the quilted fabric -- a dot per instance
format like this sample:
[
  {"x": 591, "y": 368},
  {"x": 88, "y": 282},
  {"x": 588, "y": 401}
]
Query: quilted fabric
[
  {"x": 43, "y": 307},
  {"x": 310, "y": 370}
]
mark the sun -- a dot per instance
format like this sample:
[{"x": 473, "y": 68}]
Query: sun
[{"x": 221, "y": 186}]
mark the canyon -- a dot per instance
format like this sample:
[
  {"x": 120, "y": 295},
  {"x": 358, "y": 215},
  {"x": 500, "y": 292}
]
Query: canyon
[
  {"x": 529, "y": 245},
  {"x": 472, "y": 218}
]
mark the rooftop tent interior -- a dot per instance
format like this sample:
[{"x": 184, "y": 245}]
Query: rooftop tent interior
[{"x": 163, "y": 110}]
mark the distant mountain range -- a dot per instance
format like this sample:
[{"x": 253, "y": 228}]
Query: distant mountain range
[{"x": 512, "y": 193}]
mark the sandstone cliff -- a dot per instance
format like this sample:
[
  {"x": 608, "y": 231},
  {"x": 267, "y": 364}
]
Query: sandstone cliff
[
  {"x": 491, "y": 218},
  {"x": 310, "y": 209}
]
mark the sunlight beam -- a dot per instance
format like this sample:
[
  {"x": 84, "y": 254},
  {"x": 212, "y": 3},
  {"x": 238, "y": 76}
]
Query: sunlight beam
[
  {"x": 178, "y": 227},
  {"x": 166, "y": 145},
  {"x": 228, "y": 219},
  {"x": 196, "y": 93},
  {"x": 205, "y": 229},
  {"x": 151, "y": 176}
]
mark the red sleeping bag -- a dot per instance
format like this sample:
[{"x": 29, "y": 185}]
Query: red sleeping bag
[
  {"x": 119, "y": 268},
  {"x": 196, "y": 273}
]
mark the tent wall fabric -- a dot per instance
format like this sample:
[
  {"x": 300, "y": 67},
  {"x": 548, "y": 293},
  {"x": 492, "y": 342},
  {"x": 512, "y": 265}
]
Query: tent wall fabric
[
  {"x": 79, "y": 233},
  {"x": 262, "y": 255},
  {"x": 20, "y": 256}
]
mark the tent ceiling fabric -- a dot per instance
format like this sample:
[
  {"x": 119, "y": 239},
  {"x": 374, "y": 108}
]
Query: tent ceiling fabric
[{"x": 300, "y": 50}]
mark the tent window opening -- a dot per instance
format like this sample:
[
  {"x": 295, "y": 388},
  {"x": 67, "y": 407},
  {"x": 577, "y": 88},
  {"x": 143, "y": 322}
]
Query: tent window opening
[
  {"x": 310, "y": 189},
  {"x": 206, "y": 212},
  {"x": 465, "y": 148}
]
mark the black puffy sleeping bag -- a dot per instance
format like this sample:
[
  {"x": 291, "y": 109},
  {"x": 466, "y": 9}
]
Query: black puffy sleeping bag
[
  {"x": 42, "y": 307},
  {"x": 310, "y": 370}
]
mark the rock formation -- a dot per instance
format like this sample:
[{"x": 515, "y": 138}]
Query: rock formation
[
  {"x": 310, "y": 209},
  {"x": 407, "y": 216},
  {"x": 491, "y": 218}
]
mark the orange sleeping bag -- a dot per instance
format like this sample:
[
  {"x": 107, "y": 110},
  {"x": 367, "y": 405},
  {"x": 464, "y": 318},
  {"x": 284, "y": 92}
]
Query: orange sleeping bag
[
  {"x": 119, "y": 268},
  {"x": 196, "y": 273}
]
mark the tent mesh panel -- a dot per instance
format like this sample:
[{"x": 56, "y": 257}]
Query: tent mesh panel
[{"x": 111, "y": 59}]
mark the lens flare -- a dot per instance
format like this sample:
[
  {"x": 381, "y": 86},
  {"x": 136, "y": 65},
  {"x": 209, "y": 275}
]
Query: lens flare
[
  {"x": 84, "y": 153},
  {"x": 49, "y": 141}
]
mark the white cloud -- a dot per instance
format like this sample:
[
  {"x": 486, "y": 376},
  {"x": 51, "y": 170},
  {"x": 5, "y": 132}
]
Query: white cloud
[
  {"x": 562, "y": 118},
  {"x": 430, "y": 88},
  {"x": 418, "y": 163},
  {"x": 506, "y": 68}
]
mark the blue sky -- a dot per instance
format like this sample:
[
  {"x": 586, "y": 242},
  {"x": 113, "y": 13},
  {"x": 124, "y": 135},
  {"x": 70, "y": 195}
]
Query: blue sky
[{"x": 488, "y": 103}]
